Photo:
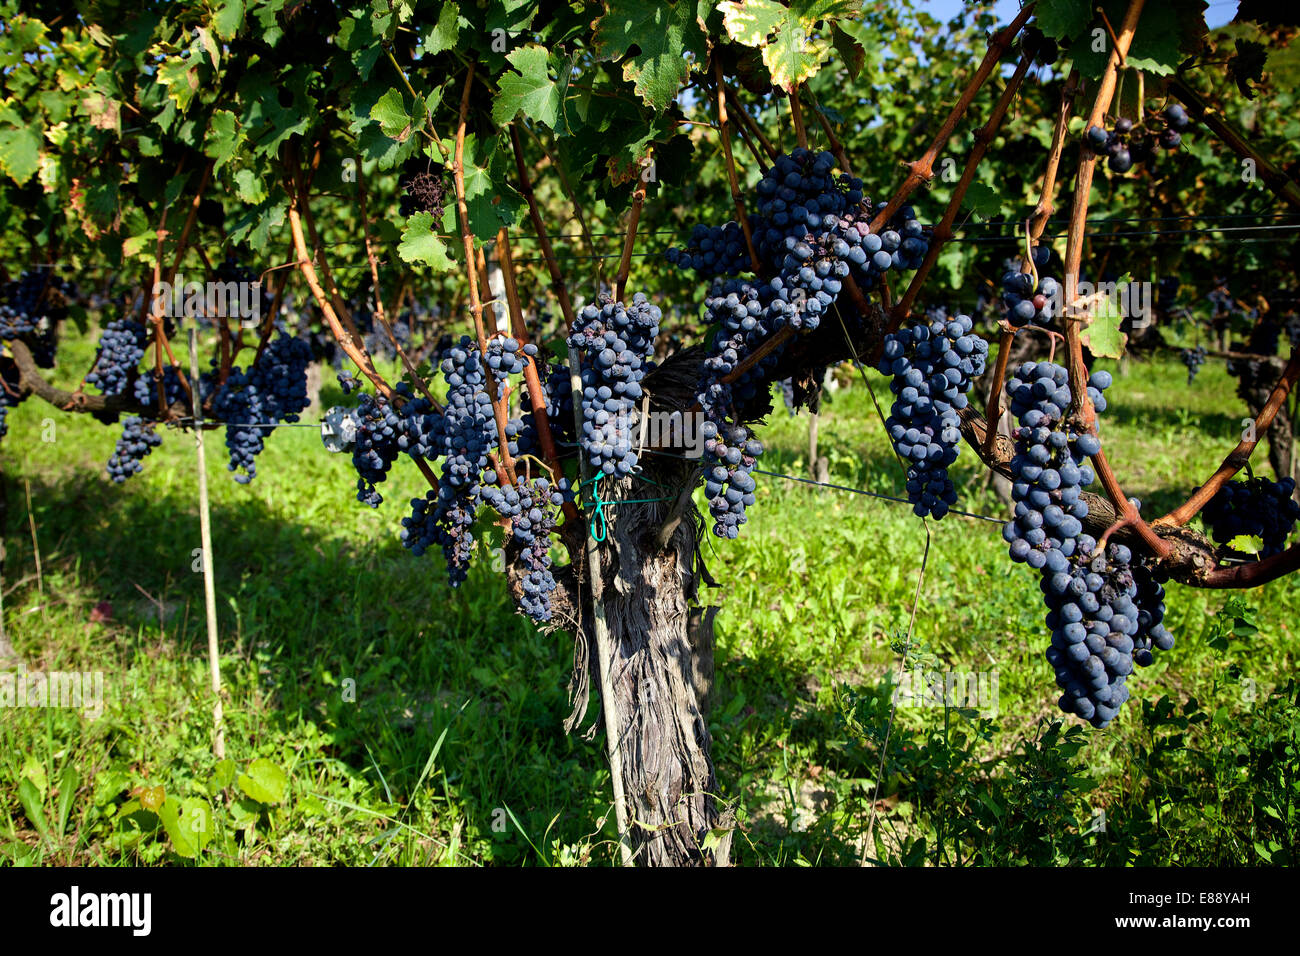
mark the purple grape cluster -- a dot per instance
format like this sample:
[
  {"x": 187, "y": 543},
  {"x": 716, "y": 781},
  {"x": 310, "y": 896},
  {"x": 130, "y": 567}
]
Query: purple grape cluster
[
  {"x": 251, "y": 403},
  {"x": 1025, "y": 302},
  {"x": 1258, "y": 508},
  {"x": 1105, "y": 610},
  {"x": 31, "y": 307},
  {"x": 531, "y": 508},
  {"x": 712, "y": 251},
  {"x": 932, "y": 367},
  {"x": 618, "y": 341},
  {"x": 121, "y": 346},
  {"x": 1123, "y": 148},
  {"x": 137, "y": 441},
  {"x": 728, "y": 482},
  {"x": 1193, "y": 359}
]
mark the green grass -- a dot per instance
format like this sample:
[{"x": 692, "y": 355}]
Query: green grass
[{"x": 419, "y": 725}]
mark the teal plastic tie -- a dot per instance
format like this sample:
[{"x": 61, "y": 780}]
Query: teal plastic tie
[{"x": 597, "y": 504}]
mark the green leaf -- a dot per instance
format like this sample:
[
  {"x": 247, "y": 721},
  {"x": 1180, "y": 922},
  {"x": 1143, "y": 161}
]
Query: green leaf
[
  {"x": 666, "y": 38},
  {"x": 223, "y": 774},
  {"x": 1166, "y": 33},
  {"x": 792, "y": 46},
  {"x": 851, "y": 52},
  {"x": 30, "y": 798},
  {"x": 19, "y": 153},
  {"x": 223, "y": 138},
  {"x": 1063, "y": 19},
  {"x": 442, "y": 35},
  {"x": 530, "y": 91},
  {"x": 249, "y": 187},
  {"x": 489, "y": 198},
  {"x": 180, "y": 75},
  {"x": 391, "y": 114},
  {"x": 982, "y": 200},
  {"x": 228, "y": 18},
  {"x": 263, "y": 781},
  {"x": 751, "y": 22},
  {"x": 421, "y": 244},
  {"x": 69, "y": 781},
  {"x": 188, "y": 824},
  {"x": 1102, "y": 335}
]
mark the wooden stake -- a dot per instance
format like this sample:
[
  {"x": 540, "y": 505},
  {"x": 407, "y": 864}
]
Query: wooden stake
[
  {"x": 604, "y": 652},
  {"x": 205, "y": 540}
]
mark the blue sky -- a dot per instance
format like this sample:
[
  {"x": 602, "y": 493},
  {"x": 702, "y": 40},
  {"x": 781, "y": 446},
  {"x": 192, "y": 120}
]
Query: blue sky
[{"x": 1219, "y": 12}]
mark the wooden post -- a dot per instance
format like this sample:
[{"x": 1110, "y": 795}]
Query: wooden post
[{"x": 205, "y": 541}]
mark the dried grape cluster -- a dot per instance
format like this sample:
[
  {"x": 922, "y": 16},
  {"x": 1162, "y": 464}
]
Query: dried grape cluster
[{"x": 424, "y": 191}]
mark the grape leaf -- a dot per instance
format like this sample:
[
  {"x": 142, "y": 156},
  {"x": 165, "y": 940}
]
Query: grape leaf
[
  {"x": 666, "y": 37},
  {"x": 1062, "y": 19},
  {"x": 391, "y": 115},
  {"x": 223, "y": 138},
  {"x": 530, "y": 91},
  {"x": 442, "y": 35},
  {"x": 188, "y": 824},
  {"x": 984, "y": 201},
  {"x": 489, "y": 199},
  {"x": 791, "y": 51},
  {"x": 180, "y": 75},
  {"x": 1166, "y": 33},
  {"x": 264, "y": 781},
  {"x": 228, "y": 18},
  {"x": 1102, "y": 336},
  {"x": 19, "y": 152},
  {"x": 421, "y": 244}
]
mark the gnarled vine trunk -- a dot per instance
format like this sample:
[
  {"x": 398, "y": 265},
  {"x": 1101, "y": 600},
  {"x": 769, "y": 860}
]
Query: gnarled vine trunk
[{"x": 661, "y": 673}]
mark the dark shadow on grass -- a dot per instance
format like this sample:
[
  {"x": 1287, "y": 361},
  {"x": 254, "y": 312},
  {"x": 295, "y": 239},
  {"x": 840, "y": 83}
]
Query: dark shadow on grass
[{"x": 364, "y": 641}]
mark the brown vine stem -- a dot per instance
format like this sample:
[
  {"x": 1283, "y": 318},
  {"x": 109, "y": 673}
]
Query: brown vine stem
[
  {"x": 1256, "y": 572},
  {"x": 837, "y": 148},
  {"x": 1046, "y": 197},
  {"x": 725, "y": 136},
  {"x": 759, "y": 161},
  {"x": 1278, "y": 181},
  {"x": 943, "y": 231},
  {"x": 993, "y": 408},
  {"x": 629, "y": 241},
  {"x": 751, "y": 125},
  {"x": 181, "y": 244},
  {"x": 341, "y": 335},
  {"x": 1238, "y": 457},
  {"x": 539, "y": 227},
  {"x": 922, "y": 170},
  {"x": 519, "y": 328},
  {"x": 1073, "y": 258},
  {"x": 796, "y": 117},
  {"x": 506, "y": 465},
  {"x": 597, "y": 260},
  {"x": 411, "y": 370}
]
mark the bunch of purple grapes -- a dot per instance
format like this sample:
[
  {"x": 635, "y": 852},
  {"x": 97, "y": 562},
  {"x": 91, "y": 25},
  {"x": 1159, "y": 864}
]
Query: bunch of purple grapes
[{"x": 1123, "y": 149}]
